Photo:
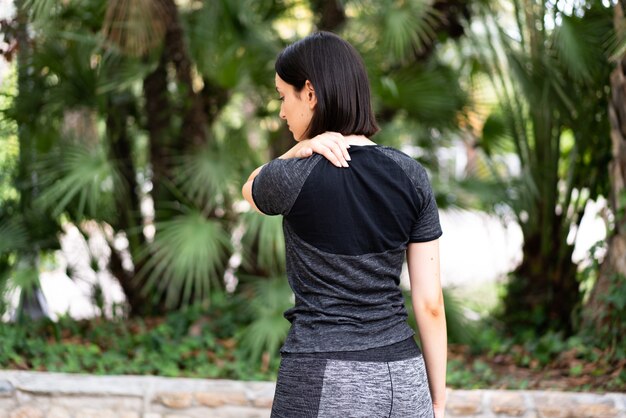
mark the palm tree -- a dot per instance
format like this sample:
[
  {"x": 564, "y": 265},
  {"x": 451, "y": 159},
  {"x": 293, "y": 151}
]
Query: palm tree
[
  {"x": 26, "y": 229},
  {"x": 604, "y": 311},
  {"x": 550, "y": 76},
  {"x": 101, "y": 174}
]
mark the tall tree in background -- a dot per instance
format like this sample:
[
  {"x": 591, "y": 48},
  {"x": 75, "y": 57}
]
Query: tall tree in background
[
  {"x": 551, "y": 78},
  {"x": 28, "y": 230},
  {"x": 604, "y": 313}
]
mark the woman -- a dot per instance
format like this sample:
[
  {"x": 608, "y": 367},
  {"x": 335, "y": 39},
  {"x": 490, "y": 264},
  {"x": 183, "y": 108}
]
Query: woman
[{"x": 352, "y": 210}]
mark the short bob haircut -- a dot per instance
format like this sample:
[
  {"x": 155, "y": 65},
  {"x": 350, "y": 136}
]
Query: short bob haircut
[{"x": 338, "y": 75}]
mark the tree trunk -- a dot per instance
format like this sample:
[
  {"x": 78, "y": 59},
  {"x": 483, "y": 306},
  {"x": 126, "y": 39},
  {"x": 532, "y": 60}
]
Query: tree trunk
[
  {"x": 613, "y": 269},
  {"x": 543, "y": 290},
  {"x": 32, "y": 301},
  {"x": 130, "y": 219},
  {"x": 330, "y": 14},
  {"x": 194, "y": 128},
  {"x": 165, "y": 145}
]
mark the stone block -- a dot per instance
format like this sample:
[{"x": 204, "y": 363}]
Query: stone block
[
  {"x": 6, "y": 389},
  {"x": 7, "y": 404},
  {"x": 594, "y": 410},
  {"x": 96, "y": 413},
  {"x": 464, "y": 403},
  {"x": 128, "y": 414},
  {"x": 26, "y": 411},
  {"x": 175, "y": 400},
  {"x": 117, "y": 403},
  {"x": 554, "y": 405},
  {"x": 151, "y": 415},
  {"x": 509, "y": 404},
  {"x": 58, "y": 412},
  {"x": 263, "y": 402},
  {"x": 214, "y": 399},
  {"x": 238, "y": 412}
]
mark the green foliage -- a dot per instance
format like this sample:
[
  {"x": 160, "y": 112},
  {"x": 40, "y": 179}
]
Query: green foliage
[
  {"x": 264, "y": 233},
  {"x": 195, "y": 342},
  {"x": 96, "y": 150},
  {"x": 207, "y": 178},
  {"x": 498, "y": 357},
  {"x": 551, "y": 81},
  {"x": 269, "y": 299},
  {"x": 186, "y": 257},
  {"x": 475, "y": 375},
  {"x": 461, "y": 330},
  {"x": 405, "y": 26},
  {"x": 80, "y": 181},
  {"x": 611, "y": 333},
  {"x": 8, "y": 138}
]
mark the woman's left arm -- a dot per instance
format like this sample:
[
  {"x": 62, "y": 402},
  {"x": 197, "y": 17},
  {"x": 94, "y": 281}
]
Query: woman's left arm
[
  {"x": 331, "y": 145},
  {"x": 428, "y": 306}
]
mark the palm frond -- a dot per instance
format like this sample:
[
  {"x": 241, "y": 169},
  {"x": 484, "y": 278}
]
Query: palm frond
[
  {"x": 230, "y": 42},
  {"x": 206, "y": 177},
  {"x": 270, "y": 298},
  {"x": 579, "y": 45},
  {"x": 116, "y": 73},
  {"x": 616, "y": 41},
  {"x": 431, "y": 96},
  {"x": 41, "y": 11},
  {"x": 65, "y": 59},
  {"x": 187, "y": 257},
  {"x": 460, "y": 329},
  {"x": 13, "y": 235},
  {"x": 136, "y": 26},
  {"x": 265, "y": 234},
  {"x": 404, "y": 28},
  {"x": 80, "y": 180},
  {"x": 496, "y": 138},
  {"x": 25, "y": 278}
]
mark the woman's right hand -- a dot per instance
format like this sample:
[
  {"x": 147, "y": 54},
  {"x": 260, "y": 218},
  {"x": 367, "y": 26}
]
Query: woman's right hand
[{"x": 332, "y": 145}]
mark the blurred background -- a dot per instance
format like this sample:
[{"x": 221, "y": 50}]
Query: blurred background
[{"x": 127, "y": 128}]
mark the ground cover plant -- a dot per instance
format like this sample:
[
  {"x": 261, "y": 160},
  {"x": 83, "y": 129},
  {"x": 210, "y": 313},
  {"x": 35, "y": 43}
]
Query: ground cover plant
[{"x": 208, "y": 342}]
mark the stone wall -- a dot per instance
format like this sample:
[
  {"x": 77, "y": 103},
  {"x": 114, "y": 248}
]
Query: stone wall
[{"x": 56, "y": 395}]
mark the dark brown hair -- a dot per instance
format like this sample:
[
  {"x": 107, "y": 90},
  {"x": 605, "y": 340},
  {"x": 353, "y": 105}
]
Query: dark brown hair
[{"x": 338, "y": 75}]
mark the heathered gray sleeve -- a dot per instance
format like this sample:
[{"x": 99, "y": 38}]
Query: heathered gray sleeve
[
  {"x": 279, "y": 182},
  {"x": 426, "y": 227}
]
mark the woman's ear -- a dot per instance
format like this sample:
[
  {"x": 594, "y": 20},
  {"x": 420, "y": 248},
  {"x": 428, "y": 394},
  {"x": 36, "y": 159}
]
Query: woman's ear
[{"x": 309, "y": 93}]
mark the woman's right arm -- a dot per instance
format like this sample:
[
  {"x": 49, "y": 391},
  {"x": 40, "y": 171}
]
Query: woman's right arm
[
  {"x": 427, "y": 297},
  {"x": 331, "y": 145}
]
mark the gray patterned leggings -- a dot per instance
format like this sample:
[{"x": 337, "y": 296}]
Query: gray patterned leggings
[{"x": 324, "y": 388}]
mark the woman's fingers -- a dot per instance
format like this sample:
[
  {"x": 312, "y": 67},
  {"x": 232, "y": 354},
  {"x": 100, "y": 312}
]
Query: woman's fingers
[
  {"x": 325, "y": 150},
  {"x": 332, "y": 145}
]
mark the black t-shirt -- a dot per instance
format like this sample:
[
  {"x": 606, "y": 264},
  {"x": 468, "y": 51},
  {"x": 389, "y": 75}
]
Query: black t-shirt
[{"x": 346, "y": 232}]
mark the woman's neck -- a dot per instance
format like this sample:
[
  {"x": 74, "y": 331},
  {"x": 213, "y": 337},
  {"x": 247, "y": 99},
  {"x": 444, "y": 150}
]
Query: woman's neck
[{"x": 358, "y": 140}]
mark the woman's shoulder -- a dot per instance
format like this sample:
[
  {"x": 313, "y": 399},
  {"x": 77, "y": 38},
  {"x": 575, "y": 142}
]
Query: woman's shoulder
[{"x": 409, "y": 165}]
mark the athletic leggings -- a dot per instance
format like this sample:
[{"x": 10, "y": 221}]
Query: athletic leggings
[{"x": 338, "y": 388}]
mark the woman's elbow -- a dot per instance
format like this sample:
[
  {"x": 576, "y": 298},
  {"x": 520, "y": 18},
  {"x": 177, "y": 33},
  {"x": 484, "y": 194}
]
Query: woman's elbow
[{"x": 432, "y": 307}]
